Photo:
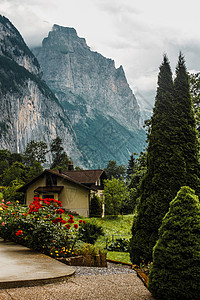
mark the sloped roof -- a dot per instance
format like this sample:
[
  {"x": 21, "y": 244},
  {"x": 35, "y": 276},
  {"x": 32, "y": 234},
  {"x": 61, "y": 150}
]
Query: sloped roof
[
  {"x": 84, "y": 176},
  {"x": 64, "y": 176}
]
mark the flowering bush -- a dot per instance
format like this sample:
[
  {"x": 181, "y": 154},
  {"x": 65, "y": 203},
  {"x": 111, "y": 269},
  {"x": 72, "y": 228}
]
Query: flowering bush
[{"x": 42, "y": 226}]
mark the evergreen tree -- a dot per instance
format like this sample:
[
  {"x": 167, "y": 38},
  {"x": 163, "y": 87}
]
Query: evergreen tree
[
  {"x": 95, "y": 207},
  {"x": 195, "y": 93},
  {"x": 175, "y": 273},
  {"x": 131, "y": 166},
  {"x": 168, "y": 166},
  {"x": 114, "y": 170},
  {"x": 60, "y": 158},
  {"x": 188, "y": 143},
  {"x": 35, "y": 152}
]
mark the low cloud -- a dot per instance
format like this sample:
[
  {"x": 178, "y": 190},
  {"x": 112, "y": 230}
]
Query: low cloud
[{"x": 134, "y": 35}]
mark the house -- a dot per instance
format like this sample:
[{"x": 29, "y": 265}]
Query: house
[
  {"x": 90, "y": 178},
  {"x": 73, "y": 188}
]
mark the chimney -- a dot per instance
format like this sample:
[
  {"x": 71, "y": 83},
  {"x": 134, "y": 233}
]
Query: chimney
[{"x": 70, "y": 166}]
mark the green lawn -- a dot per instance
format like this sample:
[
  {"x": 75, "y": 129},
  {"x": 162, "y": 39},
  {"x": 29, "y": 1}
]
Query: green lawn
[
  {"x": 119, "y": 256},
  {"x": 115, "y": 227}
]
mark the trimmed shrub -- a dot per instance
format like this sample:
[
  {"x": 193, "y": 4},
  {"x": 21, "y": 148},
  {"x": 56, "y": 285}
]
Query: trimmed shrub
[{"x": 175, "y": 274}]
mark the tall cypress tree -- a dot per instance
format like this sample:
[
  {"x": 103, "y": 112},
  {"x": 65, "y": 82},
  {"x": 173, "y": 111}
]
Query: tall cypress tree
[
  {"x": 167, "y": 166},
  {"x": 187, "y": 134},
  {"x": 131, "y": 166}
]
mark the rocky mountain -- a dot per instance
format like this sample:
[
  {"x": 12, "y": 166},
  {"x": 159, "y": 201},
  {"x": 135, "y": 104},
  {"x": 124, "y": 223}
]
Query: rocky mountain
[
  {"x": 29, "y": 109},
  {"x": 95, "y": 95}
]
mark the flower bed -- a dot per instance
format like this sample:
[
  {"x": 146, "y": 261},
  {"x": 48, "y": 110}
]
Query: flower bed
[{"x": 42, "y": 226}]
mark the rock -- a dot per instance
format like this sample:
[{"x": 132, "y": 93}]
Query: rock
[
  {"x": 95, "y": 95},
  {"x": 30, "y": 109}
]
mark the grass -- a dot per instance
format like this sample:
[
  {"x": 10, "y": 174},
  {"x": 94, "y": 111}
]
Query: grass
[
  {"x": 115, "y": 227},
  {"x": 119, "y": 256}
]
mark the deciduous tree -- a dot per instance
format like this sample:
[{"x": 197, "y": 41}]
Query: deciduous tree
[{"x": 115, "y": 192}]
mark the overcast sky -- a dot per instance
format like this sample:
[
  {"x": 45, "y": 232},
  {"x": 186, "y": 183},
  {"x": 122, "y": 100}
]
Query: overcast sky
[{"x": 135, "y": 34}]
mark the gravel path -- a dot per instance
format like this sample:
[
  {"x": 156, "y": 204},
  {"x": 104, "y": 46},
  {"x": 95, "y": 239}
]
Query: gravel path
[
  {"x": 113, "y": 283},
  {"x": 111, "y": 269}
]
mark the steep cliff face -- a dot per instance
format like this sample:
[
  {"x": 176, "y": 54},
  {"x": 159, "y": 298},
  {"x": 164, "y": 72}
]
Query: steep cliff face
[
  {"x": 13, "y": 46},
  {"x": 29, "y": 109},
  {"x": 95, "y": 95}
]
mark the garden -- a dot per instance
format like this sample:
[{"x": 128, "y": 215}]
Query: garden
[{"x": 45, "y": 227}]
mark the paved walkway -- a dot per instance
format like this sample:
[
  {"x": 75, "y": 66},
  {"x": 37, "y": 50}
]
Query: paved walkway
[
  {"x": 19, "y": 266},
  {"x": 24, "y": 272}
]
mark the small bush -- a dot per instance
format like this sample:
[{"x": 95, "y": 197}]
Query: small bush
[
  {"x": 119, "y": 245},
  {"x": 90, "y": 232},
  {"x": 175, "y": 274},
  {"x": 88, "y": 249}
]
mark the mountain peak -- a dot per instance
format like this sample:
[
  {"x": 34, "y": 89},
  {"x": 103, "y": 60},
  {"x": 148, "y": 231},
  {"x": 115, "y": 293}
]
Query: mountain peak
[
  {"x": 64, "y": 39},
  {"x": 12, "y": 46},
  {"x": 66, "y": 30},
  {"x": 94, "y": 94}
]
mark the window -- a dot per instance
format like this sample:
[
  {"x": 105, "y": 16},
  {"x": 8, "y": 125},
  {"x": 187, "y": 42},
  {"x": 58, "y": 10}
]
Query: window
[{"x": 98, "y": 182}]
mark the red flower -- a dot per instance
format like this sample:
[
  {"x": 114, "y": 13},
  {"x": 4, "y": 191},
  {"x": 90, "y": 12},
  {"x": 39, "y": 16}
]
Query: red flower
[
  {"x": 75, "y": 226},
  {"x": 71, "y": 217},
  {"x": 84, "y": 222},
  {"x": 70, "y": 221},
  {"x": 57, "y": 220},
  {"x": 80, "y": 221},
  {"x": 60, "y": 211},
  {"x": 63, "y": 221},
  {"x": 67, "y": 226},
  {"x": 19, "y": 232}
]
